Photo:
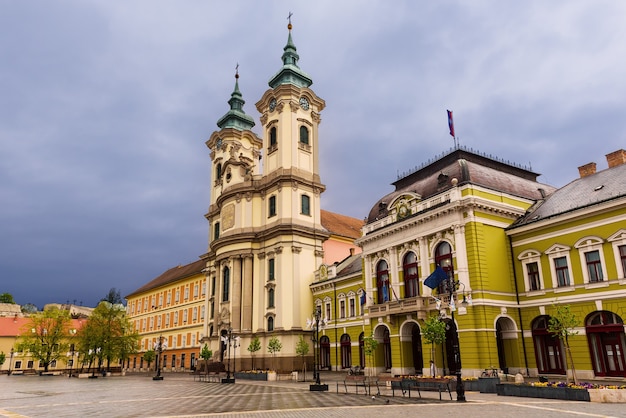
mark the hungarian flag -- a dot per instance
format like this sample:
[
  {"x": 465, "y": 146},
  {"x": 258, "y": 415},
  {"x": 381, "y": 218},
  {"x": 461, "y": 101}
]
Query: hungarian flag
[{"x": 451, "y": 123}]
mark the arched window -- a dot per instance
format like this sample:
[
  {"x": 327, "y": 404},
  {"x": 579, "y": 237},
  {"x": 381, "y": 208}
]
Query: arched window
[
  {"x": 272, "y": 206},
  {"x": 605, "y": 333},
  {"x": 218, "y": 171},
  {"x": 225, "y": 284},
  {"x": 270, "y": 298},
  {"x": 306, "y": 205},
  {"x": 409, "y": 267},
  {"x": 547, "y": 347},
  {"x": 382, "y": 282},
  {"x": 346, "y": 351},
  {"x": 270, "y": 323},
  {"x": 443, "y": 258},
  {"x": 387, "y": 349},
  {"x": 273, "y": 140},
  {"x": 325, "y": 352},
  {"x": 304, "y": 135}
]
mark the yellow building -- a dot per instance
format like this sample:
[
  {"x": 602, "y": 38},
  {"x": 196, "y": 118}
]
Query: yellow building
[{"x": 171, "y": 307}]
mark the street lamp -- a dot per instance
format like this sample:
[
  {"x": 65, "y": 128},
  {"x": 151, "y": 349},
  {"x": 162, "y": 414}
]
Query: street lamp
[
  {"x": 11, "y": 360},
  {"x": 228, "y": 339},
  {"x": 159, "y": 346},
  {"x": 71, "y": 356},
  {"x": 317, "y": 386},
  {"x": 453, "y": 286}
]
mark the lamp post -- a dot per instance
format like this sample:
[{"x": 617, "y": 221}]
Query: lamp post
[
  {"x": 317, "y": 386},
  {"x": 11, "y": 360},
  {"x": 228, "y": 339},
  {"x": 453, "y": 286},
  {"x": 71, "y": 356},
  {"x": 159, "y": 346}
]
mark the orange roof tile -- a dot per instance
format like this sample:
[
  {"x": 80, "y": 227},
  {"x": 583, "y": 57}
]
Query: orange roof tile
[
  {"x": 11, "y": 326},
  {"x": 341, "y": 225}
]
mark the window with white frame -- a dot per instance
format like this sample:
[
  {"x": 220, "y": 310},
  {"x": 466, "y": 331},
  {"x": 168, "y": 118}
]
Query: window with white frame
[
  {"x": 342, "y": 309},
  {"x": 167, "y": 319},
  {"x": 195, "y": 291},
  {"x": 203, "y": 288},
  {"x": 202, "y": 309},
  {"x": 618, "y": 242},
  {"x": 185, "y": 316},
  {"x": 195, "y": 313},
  {"x": 175, "y": 318},
  {"x": 560, "y": 266},
  {"x": 531, "y": 267},
  {"x": 159, "y": 321},
  {"x": 169, "y": 297},
  {"x": 352, "y": 307},
  {"x": 187, "y": 292},
  {"x": 177, "y": 298},
  {"x": 592, "y": 259},
  {"x": 328, "y": 316}
]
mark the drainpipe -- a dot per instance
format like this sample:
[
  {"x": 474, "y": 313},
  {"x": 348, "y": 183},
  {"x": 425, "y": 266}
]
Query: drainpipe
[{"x": 519, "y": 309}]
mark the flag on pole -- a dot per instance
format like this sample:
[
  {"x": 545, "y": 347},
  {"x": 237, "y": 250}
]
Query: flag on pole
[
  {"x": 435, "y": 279},
  {"x": 363, "y": 296},
  {"x": 451, "y": 123}
]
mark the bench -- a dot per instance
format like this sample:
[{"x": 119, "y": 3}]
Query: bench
[
  {"x": 397, "y": 383},
  {"x": 419, "y": 384},
  {"x": 359, "y": 381}
]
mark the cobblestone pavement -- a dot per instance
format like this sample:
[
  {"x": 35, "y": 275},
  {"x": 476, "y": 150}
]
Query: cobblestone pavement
[{"x": 181, "y": 396}]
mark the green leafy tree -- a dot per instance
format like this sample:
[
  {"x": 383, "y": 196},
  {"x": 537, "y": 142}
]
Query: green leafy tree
[
  {"x": 108, "y": 334},
  {"x": 302, "y": 349},
  {"x": 205, "y": 354},
  {"x": 3, "y": 358},
  {"x": 47, "y": 336},
  {"x": 7, "y": 298},
  {"x": 561, "y": 324},
  {"x": 274, "y": 346},
  {"x": 113, "y": 297},
  {"x": 255, "y": 345},
  {"x": 149, "y": 357},
  {"x": 434, "y": 332},
  {"x": 369, "y": 347},
  {"x": 29, "y": 308}
]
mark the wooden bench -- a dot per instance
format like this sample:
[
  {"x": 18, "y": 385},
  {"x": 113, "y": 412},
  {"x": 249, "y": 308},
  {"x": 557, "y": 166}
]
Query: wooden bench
[
  {"x": 419, "y": 384},
  {"x": 359, "y": 381}
]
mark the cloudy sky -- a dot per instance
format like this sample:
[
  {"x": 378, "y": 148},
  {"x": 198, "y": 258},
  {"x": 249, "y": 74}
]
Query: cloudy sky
[{"x": 105, "y": 108}]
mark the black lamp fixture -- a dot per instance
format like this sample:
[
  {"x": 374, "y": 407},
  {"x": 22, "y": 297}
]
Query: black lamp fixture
[{"x": 317, "y": 317}]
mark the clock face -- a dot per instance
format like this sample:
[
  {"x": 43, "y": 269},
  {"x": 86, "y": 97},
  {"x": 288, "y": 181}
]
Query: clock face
[
  {"x": 304, "y": 103},
  {"x": 272, "y": 105}
]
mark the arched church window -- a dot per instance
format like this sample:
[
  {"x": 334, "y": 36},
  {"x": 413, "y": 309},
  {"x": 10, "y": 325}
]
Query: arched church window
[
  {"x": 409, "y": 267},
  {"x": 225, "y": 284},
  {"x": 382, "y": 281},
  {"x": 273, "y": 137},
  {"x": 443, "y": 258},
  {"x": 304, "y": 135}
]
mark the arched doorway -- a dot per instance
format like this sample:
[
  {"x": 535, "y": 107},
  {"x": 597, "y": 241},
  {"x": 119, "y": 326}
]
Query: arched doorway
[
  {"x": 506, "y": 332},
  {"x": 452, "y": 345},
  {"x": 547, "y": 347},
  {"x": 325, "y": 352},
  {"x": 346, "y": 351},
  {"x": 416, "y": 349},
  {"x": 605, "y": 334}
]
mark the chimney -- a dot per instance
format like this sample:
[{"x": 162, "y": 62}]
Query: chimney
[
  {"x": 616, "y": 158},
  {"x": 587, "y": 169}
]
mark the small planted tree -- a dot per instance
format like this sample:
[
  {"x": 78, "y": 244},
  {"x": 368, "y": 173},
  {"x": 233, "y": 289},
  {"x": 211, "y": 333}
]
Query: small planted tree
[
  {"x": 3, "y": 358},
  {"x": 255, "y": 345},
  {"x": 369, "y": 346},
  {"x": 434, "y": 332},
  {"x": 274, "y": 346},
  {"x": 205, "y": 355},
  {"x": 302, "y": 349},
  {"x": 149, "y": 356},
  {"x": 561, "y": 325}
]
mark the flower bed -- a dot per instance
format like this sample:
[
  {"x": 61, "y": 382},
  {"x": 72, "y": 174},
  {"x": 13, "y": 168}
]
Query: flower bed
[{"x": 545, "y": 392}]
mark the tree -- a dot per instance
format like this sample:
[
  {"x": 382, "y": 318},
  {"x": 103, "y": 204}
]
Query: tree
[
  {"x": 255, "y": 345},
  {"x": 29, "y": 308},
  {"x": 302, "y": 349},
  {"x": 149, "y": 356},
  {"x": 108, "y": 334},
  {"x": 369, "y": 346},
  {"x": 561, "y": 324},
  {"x": 7, "y": 298},
  {"x": 434, "y": 332},
  {"x": 3, "y": 358},
  {"x": 205, "y": 355},
  {"x": 47, "y": 336},
  {"x": 113, "y": 297},
  {"x": 274, "y": 346}
]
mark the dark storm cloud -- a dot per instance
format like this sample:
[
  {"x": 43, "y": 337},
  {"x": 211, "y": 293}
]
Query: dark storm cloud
[{"x": 105, "y": 108}]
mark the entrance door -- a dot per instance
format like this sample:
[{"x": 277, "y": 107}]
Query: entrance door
[{"x": 605, "y": 333}]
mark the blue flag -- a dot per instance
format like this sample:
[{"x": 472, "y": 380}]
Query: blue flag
[
  {"x": 363, "y": 295},
  {"x": 435, "y": 279}
]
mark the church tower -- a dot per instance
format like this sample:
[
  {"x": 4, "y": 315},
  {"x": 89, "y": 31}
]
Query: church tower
[{"x": 265, "y": 239}]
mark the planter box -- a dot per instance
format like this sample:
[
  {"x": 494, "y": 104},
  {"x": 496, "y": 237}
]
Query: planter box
[
  {"x": 488, "y": 384},
  {"x": 607, "y": 395},
  {"x": 529, "y": 391},
  {"x": 251, "y": 376},
  {"x": 471, "y": 385}
]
